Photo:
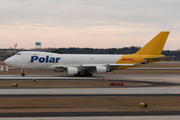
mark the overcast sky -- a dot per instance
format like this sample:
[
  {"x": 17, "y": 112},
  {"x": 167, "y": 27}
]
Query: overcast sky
[{"x": 88, "y": 23}]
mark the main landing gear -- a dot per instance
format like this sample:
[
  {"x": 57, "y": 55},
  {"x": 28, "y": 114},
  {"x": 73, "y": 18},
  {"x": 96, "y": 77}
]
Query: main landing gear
[
  {"x": 86, "y": 74},
  {"x": 22, "y": 73}
]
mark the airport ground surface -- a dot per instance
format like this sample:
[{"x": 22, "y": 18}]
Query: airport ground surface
[
  {"x": 174, "y": 117},
  {"x": 54, "y": 94}
]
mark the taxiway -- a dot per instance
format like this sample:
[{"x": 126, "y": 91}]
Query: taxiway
[
  {"x": 96, "y": 92},
  {"x": 172, "y": 117},
  {"x": 152, "y": 78}
]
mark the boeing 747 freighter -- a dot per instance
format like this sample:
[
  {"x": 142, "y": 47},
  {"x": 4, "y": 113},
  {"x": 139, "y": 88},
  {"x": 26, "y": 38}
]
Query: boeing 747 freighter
[{"x": 86, "y": 64}]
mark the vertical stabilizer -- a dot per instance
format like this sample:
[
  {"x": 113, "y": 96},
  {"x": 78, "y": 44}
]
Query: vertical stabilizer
[{"x": 155, "y": 46}]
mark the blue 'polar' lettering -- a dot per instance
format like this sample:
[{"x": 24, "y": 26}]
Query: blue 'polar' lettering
[
  {"x": 33, "y": 58},
  {"x": 41, "y": 59},
  {"x": 46, "y": 59},
  {"x": 51, "y": 60}
]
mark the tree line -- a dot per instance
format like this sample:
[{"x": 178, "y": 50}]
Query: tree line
[{"x": 73, "y": 50}]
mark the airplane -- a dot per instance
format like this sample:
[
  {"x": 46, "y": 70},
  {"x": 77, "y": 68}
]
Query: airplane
[{"x": 86, "y": 64}]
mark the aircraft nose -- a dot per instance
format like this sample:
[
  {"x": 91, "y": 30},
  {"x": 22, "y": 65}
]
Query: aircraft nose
[
  {"x": 10, "y": 61},
  {"x": 7, "y": 61}
]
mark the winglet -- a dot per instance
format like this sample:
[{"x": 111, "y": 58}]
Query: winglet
[{"x": 155, "y": 46}]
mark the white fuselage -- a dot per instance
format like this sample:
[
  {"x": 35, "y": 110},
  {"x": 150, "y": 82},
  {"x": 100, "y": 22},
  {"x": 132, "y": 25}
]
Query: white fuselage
[{"x": 52, "y": 61}]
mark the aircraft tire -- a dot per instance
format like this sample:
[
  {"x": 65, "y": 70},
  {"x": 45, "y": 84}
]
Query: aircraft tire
[
  {"x": 23, "y": 74},
  {"x": 84, "y": 75},
  {"x": 90, "y": 75}
]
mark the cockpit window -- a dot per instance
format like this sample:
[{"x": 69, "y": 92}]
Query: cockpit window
[{"x": 18, "y": 53}]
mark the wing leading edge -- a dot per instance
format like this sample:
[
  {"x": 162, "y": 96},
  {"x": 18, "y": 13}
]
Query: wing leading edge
[{"x": 94, "y": 65}]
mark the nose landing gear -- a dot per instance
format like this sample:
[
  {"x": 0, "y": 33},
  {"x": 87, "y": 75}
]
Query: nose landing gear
[{"x": 22, "y": 73}]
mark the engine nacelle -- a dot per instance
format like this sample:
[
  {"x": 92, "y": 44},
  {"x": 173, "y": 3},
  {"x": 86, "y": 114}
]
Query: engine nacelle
[
  {"x": 101, "y": 69},
  {"x": 72, "y": 71}
]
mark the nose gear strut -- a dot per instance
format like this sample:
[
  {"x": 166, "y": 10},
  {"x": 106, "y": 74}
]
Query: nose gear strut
[{"x": 22, "y": 73}]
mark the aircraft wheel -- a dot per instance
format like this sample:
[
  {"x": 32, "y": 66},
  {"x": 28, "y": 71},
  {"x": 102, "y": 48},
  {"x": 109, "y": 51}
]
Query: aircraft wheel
[
  {"x": 80, "y": 75},
  {"x": 90, "y": 74},
  {"x": 76, "y": 75},
  {"x": 23, "y": 74}
]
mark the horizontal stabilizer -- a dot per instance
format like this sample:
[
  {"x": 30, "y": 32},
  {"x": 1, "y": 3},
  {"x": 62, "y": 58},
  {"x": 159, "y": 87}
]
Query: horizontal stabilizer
[{"x": 159, "y": 58}]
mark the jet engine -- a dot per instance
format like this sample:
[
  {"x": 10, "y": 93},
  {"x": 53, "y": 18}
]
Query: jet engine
[
  {"x": 72, "y": 71},
  {"x": 101, "y": 69}
]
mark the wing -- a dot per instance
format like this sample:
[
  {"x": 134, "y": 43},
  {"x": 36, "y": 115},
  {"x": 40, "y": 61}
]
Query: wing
[
  {"x": 107, "y": 65},
  {"x": 96, "y": 68},
  {"x": 93, "y": 65}
]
